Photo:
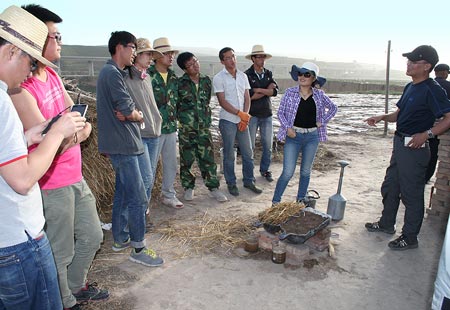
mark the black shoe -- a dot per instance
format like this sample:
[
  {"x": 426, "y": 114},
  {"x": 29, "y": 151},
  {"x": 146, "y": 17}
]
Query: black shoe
[
  {"x": 375, "y": 227},
  {"x": 401, "y": 244},
  {"x": 253, "y": 188},
  {"x": 267, "y": 175},
  {"x": 91, "y": 292},
  {"x": 233, "y": 190},
  {"x": 74, "y": 307}
]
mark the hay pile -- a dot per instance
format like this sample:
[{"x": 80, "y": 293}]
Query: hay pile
[
  {"x": 280, "y": 212},
  {"x": 204, "y": 234}
]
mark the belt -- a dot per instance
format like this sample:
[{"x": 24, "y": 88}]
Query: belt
[
  {"x": 401, "y": 135},
  {"x": 304, "y": 130},
  {"x": 40, "y": 236}
]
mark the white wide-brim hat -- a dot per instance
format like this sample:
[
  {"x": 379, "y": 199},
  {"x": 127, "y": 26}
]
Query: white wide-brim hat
[
  {"x": 162, "y": 45},
  {"x": 258, "y": 50},
  {"x": 25, "y": 31}
]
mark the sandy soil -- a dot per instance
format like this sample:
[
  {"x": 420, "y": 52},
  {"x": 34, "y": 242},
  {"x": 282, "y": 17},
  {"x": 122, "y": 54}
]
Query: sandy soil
[{"x": 363, "y": 273}]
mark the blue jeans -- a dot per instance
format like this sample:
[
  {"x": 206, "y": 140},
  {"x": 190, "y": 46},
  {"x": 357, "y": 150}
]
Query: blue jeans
[
  {"x": 307, "y": 144},
  {"x": 130, "y": 200},
  {"x": 230, "y": 133},
  {"x": 28, "y": 276},
  {"x": 266, "y": 135},
  {"x": 148, "y": 163}
]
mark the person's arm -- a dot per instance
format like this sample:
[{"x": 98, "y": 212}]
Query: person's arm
[
  {"x": 23, "y": 173},
  {"x": 390, "y": 118},
  {"x": 440, "y": 127},
  {"x": 27, "y": 108},
  {"x": 246, "y": 101},
  {"x": 225, "y": 104}
]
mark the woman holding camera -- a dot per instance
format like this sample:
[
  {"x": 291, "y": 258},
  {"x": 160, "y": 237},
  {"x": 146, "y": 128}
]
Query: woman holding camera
[{"x": 304, "y": 113}]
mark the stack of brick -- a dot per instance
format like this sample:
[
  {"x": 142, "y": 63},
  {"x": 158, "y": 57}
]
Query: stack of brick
[{"x": 440, "y": 197}]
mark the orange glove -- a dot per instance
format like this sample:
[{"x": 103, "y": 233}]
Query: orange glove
[
  {"x": 242, "y": 126},
  {"x": 243, "y": 116}
]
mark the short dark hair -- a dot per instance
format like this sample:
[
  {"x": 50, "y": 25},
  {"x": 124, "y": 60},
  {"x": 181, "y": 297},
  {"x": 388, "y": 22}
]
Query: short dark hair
[
  {"x": 223, "y": 51},
  {"x": 42, "y": 13},
  {"x": 183, "y": 58},
  {"x": 120, "y": 38}
]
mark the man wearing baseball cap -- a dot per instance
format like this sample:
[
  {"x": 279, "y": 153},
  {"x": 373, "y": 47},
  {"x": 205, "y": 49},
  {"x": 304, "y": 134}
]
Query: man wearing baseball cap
[
  {"x": 422, "y": 102},
  {"x": 28, "y": 273}
]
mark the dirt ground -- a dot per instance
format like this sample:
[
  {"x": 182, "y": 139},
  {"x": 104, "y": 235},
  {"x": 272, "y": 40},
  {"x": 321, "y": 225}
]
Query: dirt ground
[{"x": 361, "y": 273}]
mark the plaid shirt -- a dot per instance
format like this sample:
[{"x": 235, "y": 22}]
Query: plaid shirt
[{"x": 325, "y": 111}]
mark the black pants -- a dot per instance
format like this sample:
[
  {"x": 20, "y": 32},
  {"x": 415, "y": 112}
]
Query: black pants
[{"x": 434, "y": 147}]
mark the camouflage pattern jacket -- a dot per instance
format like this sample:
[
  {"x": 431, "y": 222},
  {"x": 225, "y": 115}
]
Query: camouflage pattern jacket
[
  {"x": 166, "y": 97},
  {"x": 193, "y": 110}
]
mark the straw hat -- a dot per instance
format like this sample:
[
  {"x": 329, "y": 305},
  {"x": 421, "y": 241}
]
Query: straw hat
[
  {"x": 162, "y": 45},
  {"x": 258, "y": 50},
  {"x": 25, "y": 31},
  {"x": 143, "y": 45}
]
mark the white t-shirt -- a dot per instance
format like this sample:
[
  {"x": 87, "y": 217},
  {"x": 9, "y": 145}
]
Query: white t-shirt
[
  {"x": 234, "y": 90},
  {"x": 18, "y": 213}
]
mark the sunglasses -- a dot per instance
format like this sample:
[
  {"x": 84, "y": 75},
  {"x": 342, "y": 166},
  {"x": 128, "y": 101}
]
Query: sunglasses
[
  {"x": 33, "y": 61},
  {"x": 306, "y": 74},
  {"x": 57, "y": 37}
]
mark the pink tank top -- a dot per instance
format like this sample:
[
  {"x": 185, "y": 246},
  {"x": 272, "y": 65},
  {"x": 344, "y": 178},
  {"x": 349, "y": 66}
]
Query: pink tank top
[{"x": 66, "y": 168}]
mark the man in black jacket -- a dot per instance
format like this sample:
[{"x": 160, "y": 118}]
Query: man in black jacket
[{"x": 263, "y": 86}]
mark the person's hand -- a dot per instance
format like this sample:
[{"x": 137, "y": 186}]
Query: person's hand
[
  {"x": 291, "y": 133},
  {"x": 120, "y": 116},
  {"x": 242, "y": 125},
  {"x": 244, "y": 116},
  {"x": 34, "y": 134},
  {"x": 371, "y": 121},
  {"x": 318, "y": 124},
  {"x": 68, "y": 124},
  {"x": 272, "y": 86},
  {"x": 418, "y": 140}
]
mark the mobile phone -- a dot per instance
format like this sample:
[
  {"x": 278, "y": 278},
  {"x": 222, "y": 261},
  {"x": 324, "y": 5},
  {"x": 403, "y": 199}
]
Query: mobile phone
[
  {"x": 82, "y": 108},
  {"x": 407, "y": 139}
]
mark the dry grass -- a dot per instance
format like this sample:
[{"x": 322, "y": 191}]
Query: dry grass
[{"x": 280, "y": 212}]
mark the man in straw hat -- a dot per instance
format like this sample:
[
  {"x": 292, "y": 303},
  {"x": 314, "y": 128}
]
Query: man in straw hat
[
  {"x": 422, "y": 102},
  {"x": 263, "y": 86},
  {"x": 165, "y": 88},
  {"x": 140, "y": 88},
  {"x": 232, "y": 90},
  {"x": 72, "y": 223},
  {"x": 120, "y": 139},
  {"x": 24, "y": 246}
]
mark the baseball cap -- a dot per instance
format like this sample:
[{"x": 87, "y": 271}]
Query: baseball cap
[
  {"x": 423, "y": 52},
  {"x": 442, "y": 67}
]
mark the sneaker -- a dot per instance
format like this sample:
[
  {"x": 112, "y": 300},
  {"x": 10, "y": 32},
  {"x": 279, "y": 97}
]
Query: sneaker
[
  {"x": 146, "y": 257},
  {"x": 117, "y": 246},
  {"x": 267, "y": 175},
  {"x": 375, "y": 227},
  {"x": 233, "y": 190},
  {"x": 74, "y": 307},
  {"x": 189, "y": 194},
  {"x": 253, "y": 188},
  {"x": 91, "y": 293},
  {"x": 218, "y": 195},
  {"x": 173, "y": 202},
  {"x": 401, "y": 244}
]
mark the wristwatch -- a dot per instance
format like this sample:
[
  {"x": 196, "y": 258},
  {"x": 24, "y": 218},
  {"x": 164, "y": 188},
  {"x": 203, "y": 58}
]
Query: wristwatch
[{"x": 430, "y": 134}]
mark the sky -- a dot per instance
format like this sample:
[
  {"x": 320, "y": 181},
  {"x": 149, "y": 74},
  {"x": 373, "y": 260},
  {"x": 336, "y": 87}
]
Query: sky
[{"x": 323, "y": 30}]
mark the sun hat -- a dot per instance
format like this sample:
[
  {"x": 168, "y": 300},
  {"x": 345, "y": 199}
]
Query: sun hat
[
  {"x": 162, "y": 45},
  {"x": 25, "y": 31},
  {"x": 143, "y": 45},
  {"x": 258, "y": 50},
  {"x": 442, "y": 67},
  {"x": 306, "y": 67},
  {"x": 423, "y": 52}
]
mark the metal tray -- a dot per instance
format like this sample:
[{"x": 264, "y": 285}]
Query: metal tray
[{"x": 298, "y": 239}]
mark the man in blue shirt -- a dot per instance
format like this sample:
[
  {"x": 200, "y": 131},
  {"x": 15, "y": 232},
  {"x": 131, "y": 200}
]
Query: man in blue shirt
[{"x": 422, "y": 102}]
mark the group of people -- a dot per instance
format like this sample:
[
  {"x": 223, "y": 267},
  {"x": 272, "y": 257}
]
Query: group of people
[{"x": 143, "y": 108}]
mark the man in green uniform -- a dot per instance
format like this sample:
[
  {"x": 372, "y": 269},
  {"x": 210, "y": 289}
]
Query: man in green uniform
[{"x": 194, "y": 117}]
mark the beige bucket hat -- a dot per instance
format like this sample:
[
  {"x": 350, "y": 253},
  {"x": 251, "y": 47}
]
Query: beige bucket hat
[
  {"x": 143, "y": 45},
  {"x": 258, "y": 50},
  {"x": 25, "y": 31},
  {"x": 162, "y": 45}
]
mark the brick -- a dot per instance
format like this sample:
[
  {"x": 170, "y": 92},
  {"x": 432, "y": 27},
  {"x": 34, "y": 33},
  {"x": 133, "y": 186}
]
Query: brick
[
  {"x": 432, "y": 212},
  {"x": 324, "y": 234},
  {"x": 318, "y": 244}
]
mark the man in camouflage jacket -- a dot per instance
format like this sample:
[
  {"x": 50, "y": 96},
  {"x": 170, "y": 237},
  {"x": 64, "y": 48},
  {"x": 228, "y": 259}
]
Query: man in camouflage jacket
[{"x": 194, "y": 136}]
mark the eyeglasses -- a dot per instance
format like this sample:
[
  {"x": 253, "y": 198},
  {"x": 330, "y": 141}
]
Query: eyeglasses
[
  {"x": 229, "y": 58},
  {"x": 260, "y": 56},
  {"x": 306, "y": 74},
  {"x": 33, "y": 61},
  {"x": 57, "y": 37},
  {"x": 170, "y": 53},
  {"x": 132, "y": 46},
  {"x": 418, "y": 62},
  {"x": 189, "y": 65}
]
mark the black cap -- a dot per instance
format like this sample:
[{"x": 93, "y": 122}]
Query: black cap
[
  {"x": 423, "y": 52},
  {"x": 442, "y": 67}
]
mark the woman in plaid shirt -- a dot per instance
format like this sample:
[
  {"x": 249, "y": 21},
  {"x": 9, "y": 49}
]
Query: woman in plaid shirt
[{"x": 304, "y": 113}]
